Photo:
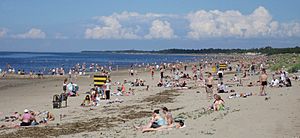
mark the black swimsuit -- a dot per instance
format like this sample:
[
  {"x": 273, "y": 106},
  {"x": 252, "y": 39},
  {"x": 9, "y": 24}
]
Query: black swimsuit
[
  {"x": 209, "y": 86},
  {"x": 264, "y": 83}
]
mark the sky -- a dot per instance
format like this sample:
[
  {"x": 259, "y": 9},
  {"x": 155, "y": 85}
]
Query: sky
[{"x": 72, "y": 26}]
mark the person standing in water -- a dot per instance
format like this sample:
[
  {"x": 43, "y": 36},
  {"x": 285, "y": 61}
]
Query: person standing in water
[{"x": 263, "y": 78}]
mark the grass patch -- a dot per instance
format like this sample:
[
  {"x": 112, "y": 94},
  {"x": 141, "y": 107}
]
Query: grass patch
[{"x": 290, "y": 62}]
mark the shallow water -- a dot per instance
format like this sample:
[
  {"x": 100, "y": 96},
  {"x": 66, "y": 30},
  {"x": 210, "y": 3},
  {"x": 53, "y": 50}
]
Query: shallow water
[{"x": 45, "y": 61}]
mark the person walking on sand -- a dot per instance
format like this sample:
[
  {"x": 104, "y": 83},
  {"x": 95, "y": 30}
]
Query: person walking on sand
[
  {"x": 209, "y": 85},
  {"x": 65, "y": 85},
  {"x": 107, "y": 89},
  {"x": 161, "y": 73},
  {"x": 263, "y": 80}
]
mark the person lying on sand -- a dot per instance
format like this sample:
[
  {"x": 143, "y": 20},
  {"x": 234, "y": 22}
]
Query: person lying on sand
[
  {"x": 49, "y": 117},
  {"x": 155, "y": 122},
  {"x": 12, "y": 118},
  {"x": 234, "y": 79},
  {"x": 118, "y": 92},
  {"x": 177, "y": 124}
]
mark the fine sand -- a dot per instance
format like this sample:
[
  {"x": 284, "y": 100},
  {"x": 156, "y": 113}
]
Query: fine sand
[{"x": 275, "y": 115}]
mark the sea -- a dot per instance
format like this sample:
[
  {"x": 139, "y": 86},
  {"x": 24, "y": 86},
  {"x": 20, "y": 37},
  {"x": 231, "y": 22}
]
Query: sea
[{"x": 36, "y": 61}]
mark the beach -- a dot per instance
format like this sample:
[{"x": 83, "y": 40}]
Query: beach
[
  {"x": 149, "y": 69},
  {"x": 274, "y": 115}
]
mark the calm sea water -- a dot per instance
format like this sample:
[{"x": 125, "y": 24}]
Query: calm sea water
[{"x": 45, "y": 61}]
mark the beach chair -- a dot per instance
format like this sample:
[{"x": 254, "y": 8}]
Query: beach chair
[
  {"x": 64, "y": 98},
  {"x": 56, "y": 101}
]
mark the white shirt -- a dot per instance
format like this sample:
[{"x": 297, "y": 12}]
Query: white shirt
[
  {"x": 222, "y": 87},
  {"x": 275, "y": 82},
  {"x": 220, "y": 72},
  {"x": 108, "y": 85},
  {"x": 282, "y": 76}
]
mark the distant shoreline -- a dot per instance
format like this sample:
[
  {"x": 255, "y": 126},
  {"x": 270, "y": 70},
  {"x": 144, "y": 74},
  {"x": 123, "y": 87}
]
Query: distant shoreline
[
  {"x": 208, "y": 51},
  {"x": 265, "y": 50}
]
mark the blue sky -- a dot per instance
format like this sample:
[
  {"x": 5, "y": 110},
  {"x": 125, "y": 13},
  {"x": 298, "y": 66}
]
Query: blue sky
[{"x": 68, "y": 25}]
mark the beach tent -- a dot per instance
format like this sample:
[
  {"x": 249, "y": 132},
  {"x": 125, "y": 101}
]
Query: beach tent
[{"x": 100, "y": 80}]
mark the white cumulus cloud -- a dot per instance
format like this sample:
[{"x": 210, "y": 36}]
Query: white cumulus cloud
[
  {"x": 126, "y": 25},
  {"x": 112, "y": 29},
  {"x": 138, "y": 17},
  {"x": 291, "y": 29},
  {"x": 194, "y": 25},
  {"x": 33, "y": 33},
  {"x": 234, "y": 24},
  {"x": 160, "y": 30}
]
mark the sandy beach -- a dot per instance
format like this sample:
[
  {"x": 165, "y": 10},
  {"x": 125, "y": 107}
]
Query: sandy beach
[
  {"x": 274, "y": 115},
  {"x": 149, "y": 69}
]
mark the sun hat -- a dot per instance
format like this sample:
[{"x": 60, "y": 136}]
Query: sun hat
[{"x": 26, "y": 111}]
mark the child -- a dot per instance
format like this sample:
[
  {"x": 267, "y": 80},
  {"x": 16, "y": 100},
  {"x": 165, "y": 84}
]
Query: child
[
  {"x": 218, "y": 104},
  {"x": 86, "y": 101}
]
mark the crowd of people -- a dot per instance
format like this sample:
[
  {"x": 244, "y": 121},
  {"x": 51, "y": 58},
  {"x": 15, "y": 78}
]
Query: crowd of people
[
  {"x": 210, "y": 75},
  {"x": 78, "y": 69},
  {"x": 29, "y": 118}
]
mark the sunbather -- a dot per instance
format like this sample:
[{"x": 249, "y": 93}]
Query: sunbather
[
  {"x": 177, "y": 124},
  {"x": 168, "y": 116},
  {"x": 155, "y": 122},
  {"x": 26, "y": 118}
]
